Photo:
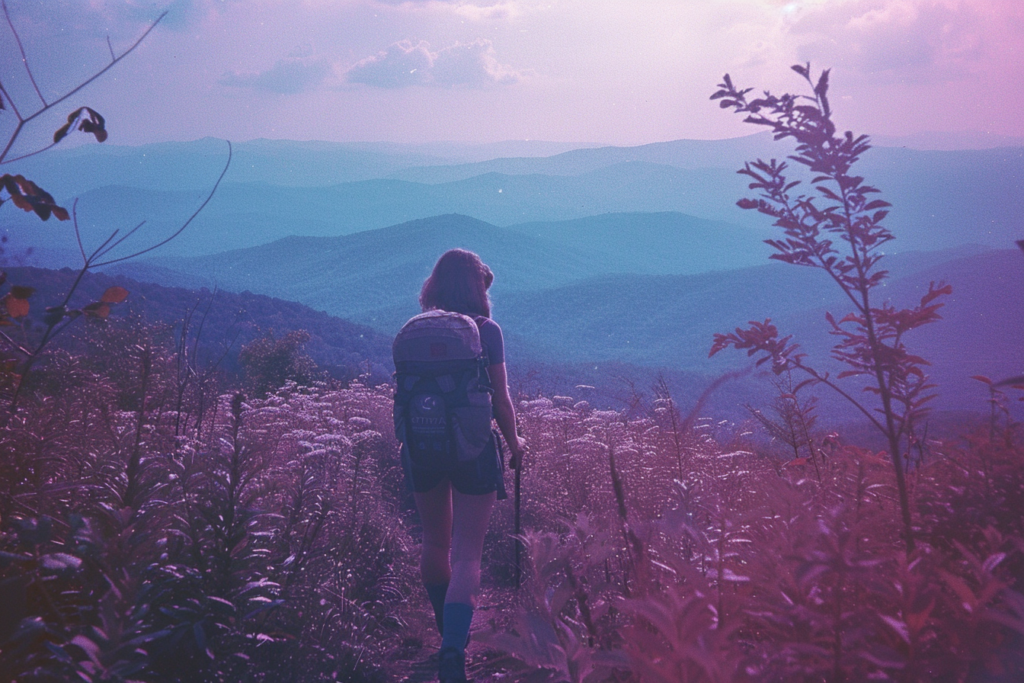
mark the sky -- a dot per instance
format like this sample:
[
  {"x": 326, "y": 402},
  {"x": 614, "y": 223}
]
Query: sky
[{"x": 622, "y": 72}]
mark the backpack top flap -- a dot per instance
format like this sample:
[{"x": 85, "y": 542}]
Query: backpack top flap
[{"x": 437, "y": 337}]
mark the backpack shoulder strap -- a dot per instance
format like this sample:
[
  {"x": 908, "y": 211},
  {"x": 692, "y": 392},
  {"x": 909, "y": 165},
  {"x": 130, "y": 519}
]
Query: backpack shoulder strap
[{"x": 480, "y": 320}]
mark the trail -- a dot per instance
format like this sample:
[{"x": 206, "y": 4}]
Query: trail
[{"x": 416, "y": 660}]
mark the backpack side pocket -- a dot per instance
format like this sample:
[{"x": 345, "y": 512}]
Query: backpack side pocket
[{"x": 471, "y": 426}]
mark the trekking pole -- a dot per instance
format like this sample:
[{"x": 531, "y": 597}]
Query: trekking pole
[{"x": 518, "y": 524}]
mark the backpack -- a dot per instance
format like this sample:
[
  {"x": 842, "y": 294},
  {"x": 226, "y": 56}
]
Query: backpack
[{"x": 443, "y": 405}]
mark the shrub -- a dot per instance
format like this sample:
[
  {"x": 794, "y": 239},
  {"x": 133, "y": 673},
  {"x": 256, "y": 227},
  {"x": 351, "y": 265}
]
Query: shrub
[
  {"x": 268, "y": 363},
  {"x": 838, "y": 230}
]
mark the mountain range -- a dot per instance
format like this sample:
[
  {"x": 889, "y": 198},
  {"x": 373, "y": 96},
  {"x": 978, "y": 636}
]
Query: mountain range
[
  {"x": 370, "y": 275},
  {"x": 563, "y": 304},
  {"x": 608, "y": 259},
  {"x": 670, "y": 320},
  {"x": 277, "y": 189}
]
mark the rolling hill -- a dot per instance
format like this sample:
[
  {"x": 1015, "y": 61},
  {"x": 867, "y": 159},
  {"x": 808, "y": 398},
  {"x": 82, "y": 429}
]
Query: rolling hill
[
  {"x": 247, "y": 215},
  {"x": 669, "y": 320},
  {"x": 664, "y": 243},
  {"x": 367, "y": 273},
  {"x": 635, "y": 324},
  {"x": 357, "y": 275},
  {"x": 233, "y": 319}
]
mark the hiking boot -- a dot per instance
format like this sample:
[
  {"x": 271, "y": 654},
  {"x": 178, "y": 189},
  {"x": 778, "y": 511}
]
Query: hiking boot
[{"x": 451, "y": 666}]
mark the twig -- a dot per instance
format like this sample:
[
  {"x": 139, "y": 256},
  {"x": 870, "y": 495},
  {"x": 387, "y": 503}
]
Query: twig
[
  {"x": 78, "y": 233},
  {"x": 15, "y": 345},
  {"x": 29, "y": 154},
  {"x": 22, "y": 120},
  {"x": 24, "y": 59},
  {"x": 122, "y": 239},
  {"x": 10, "y": 101},
  {"x": 182, "y": 228}
]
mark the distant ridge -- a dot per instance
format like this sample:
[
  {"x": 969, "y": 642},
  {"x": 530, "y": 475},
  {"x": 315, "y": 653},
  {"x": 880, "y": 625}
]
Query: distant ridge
[
  {"x": 658, "y": 243},
  {"x": 685, "y": 154},
  {"x": 948, "y": 141},
  {"x": 667, "y": 321},
  {"x": 278, "y": 188},
  {"x": 360, "y": 274}
]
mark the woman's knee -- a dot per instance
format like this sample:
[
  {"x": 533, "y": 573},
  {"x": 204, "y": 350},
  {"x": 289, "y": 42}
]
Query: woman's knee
[{"x": 465, "y": 582}]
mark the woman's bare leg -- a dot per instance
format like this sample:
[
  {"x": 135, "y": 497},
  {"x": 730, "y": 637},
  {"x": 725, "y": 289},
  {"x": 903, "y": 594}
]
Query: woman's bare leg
[
  {"x": 435, "y": 508},
  {"x": 471, "y": 515}
]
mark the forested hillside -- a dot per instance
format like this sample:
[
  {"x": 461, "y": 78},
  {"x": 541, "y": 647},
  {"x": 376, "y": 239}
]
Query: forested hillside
[
  {"x": 221, "y": 322},
  {"x": 562, "y": 304}
]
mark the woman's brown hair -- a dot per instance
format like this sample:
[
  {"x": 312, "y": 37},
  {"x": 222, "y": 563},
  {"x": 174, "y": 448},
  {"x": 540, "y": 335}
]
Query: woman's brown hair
[{"x": 459, "y": 284}]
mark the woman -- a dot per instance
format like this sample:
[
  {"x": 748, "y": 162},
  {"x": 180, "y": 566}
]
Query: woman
[{"x": 455, "y": 502}]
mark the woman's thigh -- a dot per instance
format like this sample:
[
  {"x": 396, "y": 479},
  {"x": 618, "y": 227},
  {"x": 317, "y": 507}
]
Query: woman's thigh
[
  {"x": 435, "y": 508},
  {"x": 470, "y": 516}
]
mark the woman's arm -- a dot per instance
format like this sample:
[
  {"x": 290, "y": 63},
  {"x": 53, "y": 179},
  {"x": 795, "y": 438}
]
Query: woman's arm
[{"x": 505, "y": 413}]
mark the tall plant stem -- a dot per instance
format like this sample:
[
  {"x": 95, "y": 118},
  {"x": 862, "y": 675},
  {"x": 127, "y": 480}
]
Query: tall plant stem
[{"x": 892, "y": 433}]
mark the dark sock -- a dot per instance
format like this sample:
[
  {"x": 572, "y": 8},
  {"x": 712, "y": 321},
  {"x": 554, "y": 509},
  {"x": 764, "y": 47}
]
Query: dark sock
[
  {"x": 457, "y": 618},
  {"x": 436, "y": 593}
]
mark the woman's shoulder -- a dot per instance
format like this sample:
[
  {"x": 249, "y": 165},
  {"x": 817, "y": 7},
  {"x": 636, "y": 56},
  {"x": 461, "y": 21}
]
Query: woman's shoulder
[
  {"x": 490, "y": 337},
  {"x": 485, "y": 323}
]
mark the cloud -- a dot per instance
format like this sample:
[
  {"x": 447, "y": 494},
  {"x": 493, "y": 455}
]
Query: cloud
[
  {"x": 406, "y": 64},
  {"x": 921, "y": 40},
  {"x": 287, "y": 76},
  {"x": 403, "y": 64},
  {"x": 501, "y": 10},
  {"x": 475, "y": 11},
  {"x": 472, "y": 64}
]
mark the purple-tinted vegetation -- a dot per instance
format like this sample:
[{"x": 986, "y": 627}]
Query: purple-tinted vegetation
[{"x": 158, "y": 524}]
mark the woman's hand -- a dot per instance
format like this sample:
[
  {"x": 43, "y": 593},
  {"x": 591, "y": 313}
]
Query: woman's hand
[{"x": 517, "y": 451}]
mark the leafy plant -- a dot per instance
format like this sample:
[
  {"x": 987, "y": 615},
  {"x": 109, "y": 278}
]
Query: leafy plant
[
  {"x": 269, "y": 363},
  {"x": 793, "y": 422},
  {"x": 838, "y": 229}
]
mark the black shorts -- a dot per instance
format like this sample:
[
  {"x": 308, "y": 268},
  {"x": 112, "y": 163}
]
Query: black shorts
[{"x": 482, "y": 475}]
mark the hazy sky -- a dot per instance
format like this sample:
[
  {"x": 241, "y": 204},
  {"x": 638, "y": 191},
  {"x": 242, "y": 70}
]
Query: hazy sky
[{"x": 611, "y": 71}]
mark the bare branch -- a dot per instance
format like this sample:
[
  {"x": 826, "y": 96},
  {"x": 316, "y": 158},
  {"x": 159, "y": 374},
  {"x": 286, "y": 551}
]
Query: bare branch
[
  {"x": 24, "y": 59},
  {"x": 30, "y": 154},
  {"x": 47, "y": 106},
  {"x": 184, "y": 225},
  {"x": 835, "y": 387},
  {"x": 101, "y": 71},
  {"x": 13, "y": 344},
  {"x": 202, "y": 323},
  {"x": 14, "y": 136},
  {"x": 10, "y": 101},
  {"x": 123, "y": 238},
  {"x": 78, "y": 233}
]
